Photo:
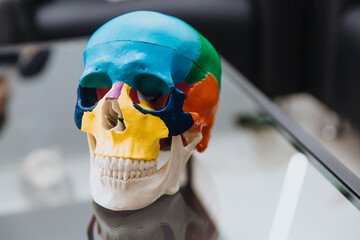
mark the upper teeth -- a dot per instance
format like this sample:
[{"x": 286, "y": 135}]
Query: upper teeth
[{"x": 124, "y": 169}]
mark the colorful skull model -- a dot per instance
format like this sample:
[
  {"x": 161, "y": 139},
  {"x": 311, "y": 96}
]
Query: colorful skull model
[{"x": 151, "y": 82}]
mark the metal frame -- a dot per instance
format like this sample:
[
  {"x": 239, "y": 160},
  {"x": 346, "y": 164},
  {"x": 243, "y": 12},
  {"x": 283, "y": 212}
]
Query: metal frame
[{"x": 340, "y": 176}]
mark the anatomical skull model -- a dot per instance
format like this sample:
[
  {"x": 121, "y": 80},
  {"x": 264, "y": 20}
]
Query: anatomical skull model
[{"x": 151, "y": 82}]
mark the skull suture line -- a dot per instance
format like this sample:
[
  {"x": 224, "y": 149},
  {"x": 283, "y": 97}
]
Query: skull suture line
[{"x": 150, "y": 82}]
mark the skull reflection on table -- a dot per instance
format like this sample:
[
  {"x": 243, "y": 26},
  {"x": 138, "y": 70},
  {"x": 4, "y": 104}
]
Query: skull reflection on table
[{"x": 151, "y": 83}]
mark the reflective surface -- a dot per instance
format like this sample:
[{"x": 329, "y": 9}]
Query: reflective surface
[
  {"x": 236, "y": 185},
  {"x": 179, "y": 216}
]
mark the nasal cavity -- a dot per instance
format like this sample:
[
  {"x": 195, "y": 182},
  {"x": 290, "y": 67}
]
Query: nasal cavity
[{"x": 112, "y": 117}]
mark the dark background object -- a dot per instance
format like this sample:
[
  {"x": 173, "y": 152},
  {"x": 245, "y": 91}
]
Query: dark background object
[
  {"x": 347, "y": 76},
  {"x": 281, "y": 46},
  {"x": 33, "y": 61}
]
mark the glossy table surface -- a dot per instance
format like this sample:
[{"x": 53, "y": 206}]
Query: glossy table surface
[{"x": 260, "y": 178}]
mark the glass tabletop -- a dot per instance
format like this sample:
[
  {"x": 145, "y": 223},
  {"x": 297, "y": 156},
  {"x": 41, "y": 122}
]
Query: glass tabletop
[
  {"x": 268, "y": 179},
  {"x": 261, "y": 177}
]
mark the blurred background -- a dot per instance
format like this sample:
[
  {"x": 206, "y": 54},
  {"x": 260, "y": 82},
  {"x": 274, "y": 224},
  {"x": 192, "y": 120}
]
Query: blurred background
[{"x": 303, "y": 54}]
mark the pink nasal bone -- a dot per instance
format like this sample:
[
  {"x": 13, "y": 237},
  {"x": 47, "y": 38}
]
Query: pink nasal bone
[{"x": 115, "y": 92}]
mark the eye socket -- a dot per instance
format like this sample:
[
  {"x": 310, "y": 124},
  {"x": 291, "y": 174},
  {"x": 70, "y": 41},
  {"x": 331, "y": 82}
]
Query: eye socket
[
  {"x": 96, "y": 80},
  {"x": 87, "y": 97},
  {"x": 150, "y": 85},
  {"x": 157, "y": 103},
  {"x": 160, "y": 102},
  {"x": 92, "y": 88},
  {"x": 153, "y": 88}
]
